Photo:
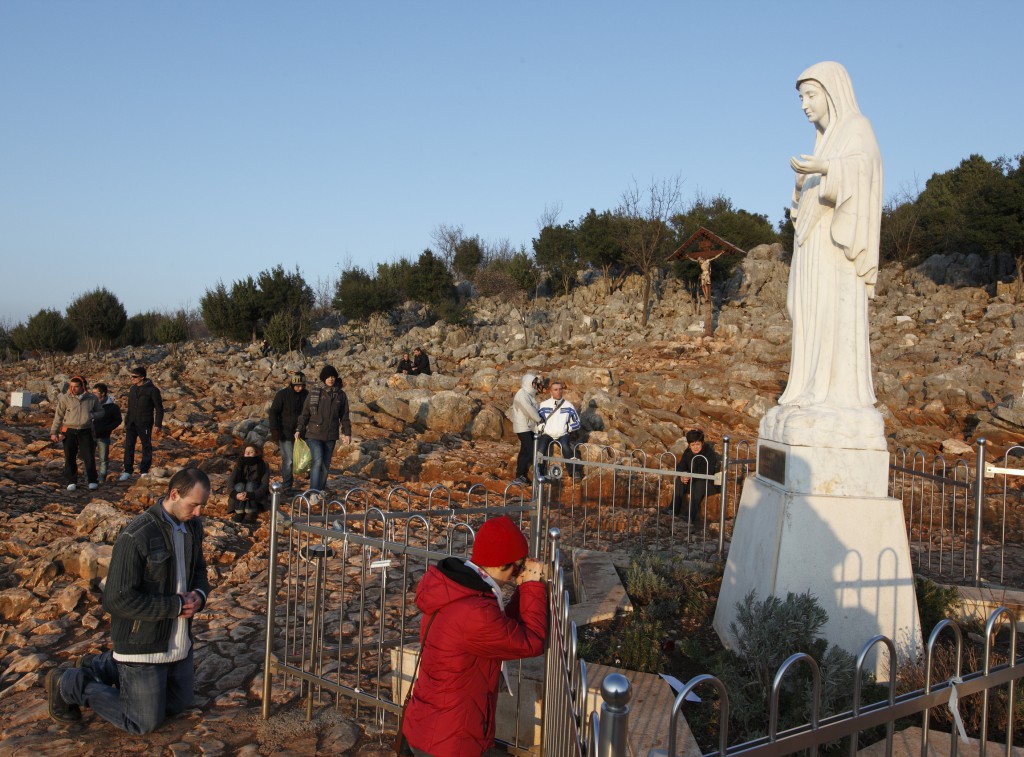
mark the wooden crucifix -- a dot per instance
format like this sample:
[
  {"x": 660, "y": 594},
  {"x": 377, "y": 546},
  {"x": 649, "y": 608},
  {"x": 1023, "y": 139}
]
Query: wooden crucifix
[{"x": 709, "y": 248}]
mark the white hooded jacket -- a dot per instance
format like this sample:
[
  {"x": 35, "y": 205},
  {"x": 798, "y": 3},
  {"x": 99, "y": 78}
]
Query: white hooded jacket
[{"x": 525, "y": 415}]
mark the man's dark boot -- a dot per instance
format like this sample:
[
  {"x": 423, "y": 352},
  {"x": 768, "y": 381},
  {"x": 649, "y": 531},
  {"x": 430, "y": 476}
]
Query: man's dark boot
[{"x": 59, "y": 709}]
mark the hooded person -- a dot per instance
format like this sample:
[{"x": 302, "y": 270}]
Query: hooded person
[
  {"x": 477, "y": 613},
  {"x": 836, "y": 212},
  {"x": 249, "y": 485},
  {"x": 526, "y": 419}
]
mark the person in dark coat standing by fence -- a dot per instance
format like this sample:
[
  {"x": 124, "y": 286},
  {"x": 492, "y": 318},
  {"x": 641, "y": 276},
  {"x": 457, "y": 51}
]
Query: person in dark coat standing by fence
[
  {"x": 104, "y": 426},
  {"x": 477, "y": 613},
  {"x": 323, "y": 413},
  {"x": 284, "y": 419},
  {"x": 144, "y": 421}
]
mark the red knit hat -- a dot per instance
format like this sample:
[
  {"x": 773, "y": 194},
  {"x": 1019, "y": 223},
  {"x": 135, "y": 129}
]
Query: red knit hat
[{"x": 499, "y": 542}]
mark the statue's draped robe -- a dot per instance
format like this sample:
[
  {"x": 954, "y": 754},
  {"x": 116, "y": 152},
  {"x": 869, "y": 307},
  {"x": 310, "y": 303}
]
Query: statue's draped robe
[{"x": 835, "y": 257}]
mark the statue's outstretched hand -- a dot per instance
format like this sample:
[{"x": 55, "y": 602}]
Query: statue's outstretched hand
[{"x": 809, "y": 164}]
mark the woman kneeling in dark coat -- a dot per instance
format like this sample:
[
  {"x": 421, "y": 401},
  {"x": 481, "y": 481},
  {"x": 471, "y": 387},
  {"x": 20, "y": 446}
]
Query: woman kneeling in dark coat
[{"x": 249, "y": 485}]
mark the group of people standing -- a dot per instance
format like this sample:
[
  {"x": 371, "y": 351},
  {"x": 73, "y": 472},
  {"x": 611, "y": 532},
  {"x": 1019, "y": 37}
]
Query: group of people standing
[
  {"x": 84, "y": 420},
  {"x": 553, "y": 421},
  {"x": 319, "y": 416}
]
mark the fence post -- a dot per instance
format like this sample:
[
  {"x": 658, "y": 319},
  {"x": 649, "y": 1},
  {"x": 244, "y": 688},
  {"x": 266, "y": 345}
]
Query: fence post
[
  {"x": 979, "y": 504},
  {"x": 614, "y": 738},
  {"x": 268, "y": 653},
  {"x": 535, "y": 491},
  {"x": 725, "y": 495}
]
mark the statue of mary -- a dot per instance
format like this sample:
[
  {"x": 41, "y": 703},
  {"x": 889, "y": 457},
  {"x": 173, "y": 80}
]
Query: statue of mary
[{"x": 837, "y": 210}]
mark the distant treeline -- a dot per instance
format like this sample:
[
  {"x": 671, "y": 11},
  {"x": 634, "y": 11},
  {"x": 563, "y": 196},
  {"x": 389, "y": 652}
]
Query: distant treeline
[{"x": 975, "y": 208}]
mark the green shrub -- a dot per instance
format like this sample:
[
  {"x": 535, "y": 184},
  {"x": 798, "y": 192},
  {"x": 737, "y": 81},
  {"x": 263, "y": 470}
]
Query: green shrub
[
  {"x": 934, "y": 603},
  {"x": 286, "y": 332},
  {"x": 767, "y": 633},
  {"x": 172, "y": 330}
]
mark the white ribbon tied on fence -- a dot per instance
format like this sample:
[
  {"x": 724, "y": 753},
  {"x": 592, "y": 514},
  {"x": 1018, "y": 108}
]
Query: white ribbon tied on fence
[{"x": 954, "y": 707}]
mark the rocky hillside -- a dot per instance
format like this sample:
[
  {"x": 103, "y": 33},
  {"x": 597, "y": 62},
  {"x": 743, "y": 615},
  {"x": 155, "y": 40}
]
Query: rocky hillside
[{"x": 948, "y": 361}]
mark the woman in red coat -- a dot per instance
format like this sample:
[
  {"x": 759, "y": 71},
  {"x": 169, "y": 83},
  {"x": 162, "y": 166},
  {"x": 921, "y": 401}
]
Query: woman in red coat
[{"x": 470, "y": 629}]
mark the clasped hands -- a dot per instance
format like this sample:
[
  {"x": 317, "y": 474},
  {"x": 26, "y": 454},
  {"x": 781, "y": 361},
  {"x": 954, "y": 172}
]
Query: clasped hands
[
  {"x": 533, "y": 570},
  {"x": 191, "y": 602}
]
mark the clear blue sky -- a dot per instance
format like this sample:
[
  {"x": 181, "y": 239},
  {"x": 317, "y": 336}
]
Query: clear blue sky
[{"x": 156, "y": 147}]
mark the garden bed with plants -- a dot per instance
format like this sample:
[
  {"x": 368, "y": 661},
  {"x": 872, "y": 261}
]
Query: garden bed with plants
[{"x": 670, "y": 631}]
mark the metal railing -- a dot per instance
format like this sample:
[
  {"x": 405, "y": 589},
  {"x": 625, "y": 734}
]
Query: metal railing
[
  {"x": 922, "y": 702},
  {"x": 961, "y": 528},
  {"x": 340, "y": 616},
  {"x": 601, "y": 496},
  {"x": 340, "y": 611}
]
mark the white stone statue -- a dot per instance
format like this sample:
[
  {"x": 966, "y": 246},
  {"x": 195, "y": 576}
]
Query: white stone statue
[{"x": 837, "y": 210}]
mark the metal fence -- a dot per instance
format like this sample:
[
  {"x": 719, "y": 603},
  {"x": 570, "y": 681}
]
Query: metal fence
[
  {"x": 341, "y": 619},
  {"x": 340, "y": 611},
  {"x": 962, "y": 526},
  {"x": 603, "y": 497},
  {"x": 951, "y": 696}
]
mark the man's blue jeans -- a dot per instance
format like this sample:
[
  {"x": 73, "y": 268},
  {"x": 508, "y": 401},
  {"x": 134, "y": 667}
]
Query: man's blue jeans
[
  {"x": 102, "y": 453},
  {"x": 135, "y": 696},
  {"x": 322, "y": 453},
  {"x": 287, "y": 447}
]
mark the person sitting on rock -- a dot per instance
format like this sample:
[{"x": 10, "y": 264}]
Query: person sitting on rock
[
  {"x": 404, "y": 365},
  {"x": 249, "y": 485},
  {"x": 700, "y": 457},
  {"x": 420, "y": 362},
  {"x": 105, "y": 425}
]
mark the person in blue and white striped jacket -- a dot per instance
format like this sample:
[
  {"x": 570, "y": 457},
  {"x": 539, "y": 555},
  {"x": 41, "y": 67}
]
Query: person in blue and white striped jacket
[{"x": 560, "y": 421}]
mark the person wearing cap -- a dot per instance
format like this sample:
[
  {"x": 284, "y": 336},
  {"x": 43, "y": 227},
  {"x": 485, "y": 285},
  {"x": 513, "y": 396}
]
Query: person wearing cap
[
  {"x": 145, "y": 411},
  {"x": 477, "y": 613},
  {"x": 284, "y": 418},
  {"x": 323, "y": 413},
  {"x": 105, "y": 425},
  {"x": 72, "y": 426}
]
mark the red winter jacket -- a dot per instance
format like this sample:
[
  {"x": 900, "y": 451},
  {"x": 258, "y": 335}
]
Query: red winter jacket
[{"x": 451, "y": 711}]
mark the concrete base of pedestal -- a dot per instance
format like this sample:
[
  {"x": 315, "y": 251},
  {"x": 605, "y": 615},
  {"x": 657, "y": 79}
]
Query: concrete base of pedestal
[{"x": 850, "y": 552}]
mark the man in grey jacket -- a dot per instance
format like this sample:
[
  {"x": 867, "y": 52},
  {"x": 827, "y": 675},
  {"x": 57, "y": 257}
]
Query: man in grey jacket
[
  {"x": 72, "y": 426},
  {"x": 157, "y": 583}
]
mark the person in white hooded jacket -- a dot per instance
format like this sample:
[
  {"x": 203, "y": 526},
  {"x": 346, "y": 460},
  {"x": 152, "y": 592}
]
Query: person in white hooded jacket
[{"x": 525, "y": 420}]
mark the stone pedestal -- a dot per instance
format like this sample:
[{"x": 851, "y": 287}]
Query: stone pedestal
[{"x": 818, "y": 519}]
